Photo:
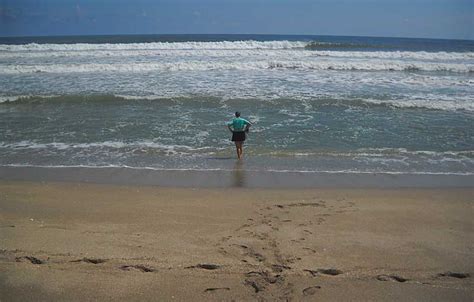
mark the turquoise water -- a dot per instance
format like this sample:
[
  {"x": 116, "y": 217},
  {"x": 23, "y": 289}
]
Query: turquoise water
[{"x": 333, "y": 104}]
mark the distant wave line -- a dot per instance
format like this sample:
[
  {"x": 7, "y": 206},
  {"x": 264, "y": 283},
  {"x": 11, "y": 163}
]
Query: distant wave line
[
  {"x": 215, "y": 45},
  {"x": 248, "y": 44}
]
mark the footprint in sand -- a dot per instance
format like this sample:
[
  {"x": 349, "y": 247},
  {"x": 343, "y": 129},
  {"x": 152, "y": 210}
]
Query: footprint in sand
[
  {"x": 138, "y": 267},
  {"x": 90, "y": 260},
  {"x": 307, "y": 204},
  {"x": 309, "y": 291},
  {"x": 262, "y": 278},
  {"x": 454, "y": 275},
  {"x": 324, "y": 271},
  {"x": 257, "y": 256},
  {"x": 256, "y": 287},
  {"x": 206, "y": 266},
  {"x": 225, "y": 238},
  {"x": 391, "y": 278},
  {"x": 213, "y": 289},
  {"x": 279, "y": 267},
  {"x": 31, "y": 259}
]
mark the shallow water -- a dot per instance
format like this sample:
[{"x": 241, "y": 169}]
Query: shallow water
[{"x": 335, "y": 104}]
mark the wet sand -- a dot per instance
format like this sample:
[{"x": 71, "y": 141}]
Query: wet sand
[
  {"x": 240, "y": 176},
  {"x": 87, "y": 242}
]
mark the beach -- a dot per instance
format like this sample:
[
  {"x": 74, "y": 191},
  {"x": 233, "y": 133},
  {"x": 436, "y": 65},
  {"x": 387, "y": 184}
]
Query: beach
[
  {"x": 76, "y": 241},
  {"x": 119, "y": 180}
]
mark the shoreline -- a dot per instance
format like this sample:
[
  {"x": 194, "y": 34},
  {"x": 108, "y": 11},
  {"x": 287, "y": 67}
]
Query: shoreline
[
  {"x": 85, "y": 242},
  {"x": 237, "y": 178}
]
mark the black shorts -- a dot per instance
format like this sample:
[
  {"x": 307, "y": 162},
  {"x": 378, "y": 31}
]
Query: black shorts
[{"x": 238, "y": 136}]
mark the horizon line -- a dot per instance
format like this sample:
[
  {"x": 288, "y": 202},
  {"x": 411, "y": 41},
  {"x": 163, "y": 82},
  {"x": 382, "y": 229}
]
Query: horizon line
[{"x": 228, "y": 34}]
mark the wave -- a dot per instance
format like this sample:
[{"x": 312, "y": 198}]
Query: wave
[
  {"x": 185, "y": 149},
  {"x": 431, "y": 102},
  {"x": 163, "y": 148},
  {"x": 270, "y": 50},
  {"x": 191, "y": 45},
  {"x": 315, "y": 45},
  {"x": 199, "y": 65},
  {"x": 378, "y": 152},
  {"x": 383, "y": 157},
  {"x": 434, "y": 104},
  {"x": 349, "y": 171},
  {"x": 249, "y": 44},
  {"x": 32, "y": 99}
]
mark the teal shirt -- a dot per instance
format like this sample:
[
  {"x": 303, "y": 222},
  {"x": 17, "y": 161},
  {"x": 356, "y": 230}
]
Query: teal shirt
[{"x": 238, "y": 124}]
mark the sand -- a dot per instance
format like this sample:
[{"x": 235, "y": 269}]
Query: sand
[{"x": 91, "y": 242}]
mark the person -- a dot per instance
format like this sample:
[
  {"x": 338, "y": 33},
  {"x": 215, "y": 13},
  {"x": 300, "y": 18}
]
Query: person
[{"x": 239, "y": 126}]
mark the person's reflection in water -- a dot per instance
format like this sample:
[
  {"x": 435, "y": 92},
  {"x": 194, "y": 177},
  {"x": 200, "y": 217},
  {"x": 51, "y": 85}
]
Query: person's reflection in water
[{"x": 238, "y": 174}]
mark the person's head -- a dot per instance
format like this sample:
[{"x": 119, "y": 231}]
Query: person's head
[{"x": 237, "y": 114}]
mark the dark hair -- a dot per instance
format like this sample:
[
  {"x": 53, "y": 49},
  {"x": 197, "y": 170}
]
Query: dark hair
[{"x": 237, "y": 113}]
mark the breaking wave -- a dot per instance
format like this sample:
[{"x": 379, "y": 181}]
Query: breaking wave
[
  {"x": 224, "y": 48},
  {"x": 238, "y": 65},
  {"x": 157, "y": 46},
  {"x": 433, "y": 103},
  {"x": 161, "y": 148},
  {"x": 185, "y": 149},
  {"x": 223, "y": 55}
]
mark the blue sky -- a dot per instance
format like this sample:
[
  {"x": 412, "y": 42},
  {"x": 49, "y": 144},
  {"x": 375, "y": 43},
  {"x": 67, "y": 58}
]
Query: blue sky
[{"x": 391, "y": 18}]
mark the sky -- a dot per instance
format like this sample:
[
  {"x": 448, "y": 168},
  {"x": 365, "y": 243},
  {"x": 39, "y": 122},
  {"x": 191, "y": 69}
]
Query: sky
[{"x": 451, "y": 19}]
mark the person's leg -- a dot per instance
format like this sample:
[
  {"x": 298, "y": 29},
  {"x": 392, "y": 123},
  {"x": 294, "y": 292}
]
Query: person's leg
[
  {"x": 241, "y": 149},
  {"x": 237, "y": 149}
]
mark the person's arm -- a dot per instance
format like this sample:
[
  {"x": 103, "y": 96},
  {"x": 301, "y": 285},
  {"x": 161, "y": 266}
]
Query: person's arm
[
  {"x": 229, "y": 127},
  {"x": 247, "y": 125}
]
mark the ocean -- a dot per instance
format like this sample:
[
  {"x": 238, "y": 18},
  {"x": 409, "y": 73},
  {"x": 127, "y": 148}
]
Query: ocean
[{"x": 318, "y": 104}]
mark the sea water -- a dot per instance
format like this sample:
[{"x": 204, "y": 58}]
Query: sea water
[{"x": 317, "y": 103}]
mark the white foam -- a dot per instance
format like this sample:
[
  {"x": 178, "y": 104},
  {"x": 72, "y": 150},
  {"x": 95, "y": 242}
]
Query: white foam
[
  {"x": 249, "y": 44},
  {"x": 379, "y": 152},
  {"x": 428, "y": 101},
  {"x": 199, "y": 65},
  {"x": 221, "y": 48},
  {"x": 168, "y": 149},
  {"x": 437, "y": 103},
  {"x": 349, "y": 171},
  {"x": 361, "y": 152},
  {"x": 399, "y": 55}
]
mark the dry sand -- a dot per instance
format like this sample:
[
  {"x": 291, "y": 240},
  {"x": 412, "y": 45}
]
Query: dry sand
[{"x": 84, "y": 242}]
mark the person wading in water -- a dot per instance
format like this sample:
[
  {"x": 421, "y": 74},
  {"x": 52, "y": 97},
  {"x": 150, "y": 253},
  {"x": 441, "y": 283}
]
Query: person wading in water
[{"x": 239, "y": 126}]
